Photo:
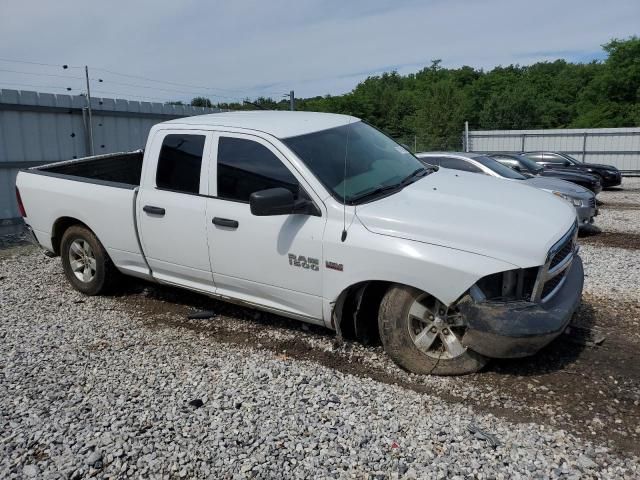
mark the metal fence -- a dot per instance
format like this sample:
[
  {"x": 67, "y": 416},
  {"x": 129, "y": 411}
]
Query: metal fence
[
  {"x": 37, "y": 128},
  {"x": 613, "y": 146}
]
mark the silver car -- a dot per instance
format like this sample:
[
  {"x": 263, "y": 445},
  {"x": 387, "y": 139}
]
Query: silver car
[{"x": 582, "y": 199}]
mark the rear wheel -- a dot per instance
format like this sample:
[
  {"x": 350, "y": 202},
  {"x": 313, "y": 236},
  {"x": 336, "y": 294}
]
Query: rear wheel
[
  {"x": 85, "y": 262},
  {"x": 424, "y": 336}
]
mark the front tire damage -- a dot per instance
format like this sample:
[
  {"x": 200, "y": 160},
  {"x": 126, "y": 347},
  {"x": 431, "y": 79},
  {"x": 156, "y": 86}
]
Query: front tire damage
[{"x": 423, "y": 336}]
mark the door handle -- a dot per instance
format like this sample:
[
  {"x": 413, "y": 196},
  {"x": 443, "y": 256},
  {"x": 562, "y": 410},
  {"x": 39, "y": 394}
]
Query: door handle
[
  {"x": 153, "y": 210},
  {"x": 225, "y": 222}
]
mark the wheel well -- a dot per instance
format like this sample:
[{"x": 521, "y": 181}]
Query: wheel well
[
  {"x": 59, "y": 227},
  {"x": 356, "y": 311}
]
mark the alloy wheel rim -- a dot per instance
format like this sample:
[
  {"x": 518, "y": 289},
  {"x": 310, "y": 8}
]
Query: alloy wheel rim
[
  {"x": 436, "y": 330},
  {"x": 82, "y": 260}
]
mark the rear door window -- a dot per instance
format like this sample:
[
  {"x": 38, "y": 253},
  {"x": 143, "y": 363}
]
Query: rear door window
[{"x": 180, "y": 162}]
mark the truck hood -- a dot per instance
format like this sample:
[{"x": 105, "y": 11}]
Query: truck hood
[{"x": 498, "y": 218}]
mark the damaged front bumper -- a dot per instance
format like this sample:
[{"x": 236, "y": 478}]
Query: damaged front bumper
[{"x": 521, "y": 328}]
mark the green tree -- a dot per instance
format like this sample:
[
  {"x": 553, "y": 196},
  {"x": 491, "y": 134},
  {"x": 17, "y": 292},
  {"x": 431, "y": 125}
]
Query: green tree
[{"x": 201, "y": 102}]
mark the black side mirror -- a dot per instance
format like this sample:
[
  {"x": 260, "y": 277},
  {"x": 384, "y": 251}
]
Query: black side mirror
[
  {"x": 278, "y": 201},
  {"x": 517, "y": 168}
]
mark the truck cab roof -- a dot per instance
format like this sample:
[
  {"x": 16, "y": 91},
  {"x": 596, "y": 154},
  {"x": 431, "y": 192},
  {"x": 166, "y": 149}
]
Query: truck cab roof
[{"x": 280, "y": 124}]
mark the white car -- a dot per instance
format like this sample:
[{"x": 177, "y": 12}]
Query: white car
[{"x": 321, "y": 218}]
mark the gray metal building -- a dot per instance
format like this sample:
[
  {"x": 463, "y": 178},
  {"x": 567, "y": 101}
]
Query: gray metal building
[
  {"x": 37, "y": 128},
  {"x": 613, "y": 146}
]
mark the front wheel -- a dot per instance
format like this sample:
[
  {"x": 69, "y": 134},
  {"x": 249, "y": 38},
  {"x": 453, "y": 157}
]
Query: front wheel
[
  {"x": 85, "y": 262},
  {"x": 424, "y": 336}
]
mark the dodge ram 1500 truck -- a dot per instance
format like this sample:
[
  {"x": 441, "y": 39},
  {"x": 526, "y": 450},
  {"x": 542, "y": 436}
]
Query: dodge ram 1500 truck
[{"x": 321, "y": 218}]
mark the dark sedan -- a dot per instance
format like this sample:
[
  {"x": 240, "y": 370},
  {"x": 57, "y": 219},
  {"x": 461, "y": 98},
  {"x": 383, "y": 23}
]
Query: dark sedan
[
  {"x": 610, "y": 176},
  {"x": 523, "y": 165}
]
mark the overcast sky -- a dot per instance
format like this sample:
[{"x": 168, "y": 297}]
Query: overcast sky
[{"x": 234, "y": 49}]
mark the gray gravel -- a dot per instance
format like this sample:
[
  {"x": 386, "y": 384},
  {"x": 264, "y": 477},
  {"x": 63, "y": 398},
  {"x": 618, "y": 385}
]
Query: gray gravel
[
  {"x": 628, "y": 192},
  {"x": 90, "y": 390},
  {"x": 611, "y": 272},
  {"x": 619, "y": 220},
  {"x": 621, "y": 209}
]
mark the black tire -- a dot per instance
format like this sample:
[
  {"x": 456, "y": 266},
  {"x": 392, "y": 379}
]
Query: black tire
[
  {"x": 105, "y": 271},
  {"x": 393, "y": 322}
]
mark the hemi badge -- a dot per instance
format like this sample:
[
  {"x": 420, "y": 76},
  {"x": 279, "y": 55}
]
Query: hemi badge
[{"x": 334, "y": 266}]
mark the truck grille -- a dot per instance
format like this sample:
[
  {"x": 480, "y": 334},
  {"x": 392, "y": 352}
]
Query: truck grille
[
  {"x": 550, "y": 285},
  {"x": 592, "y": 202},
  {"x": 564, "y": 249},
  {"x": 553, "y": 272}
]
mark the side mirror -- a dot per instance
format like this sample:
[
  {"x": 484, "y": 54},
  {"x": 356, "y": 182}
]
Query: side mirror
[
  {"x": 517, "y": 168},
  {"x": 278, "y": 201}
]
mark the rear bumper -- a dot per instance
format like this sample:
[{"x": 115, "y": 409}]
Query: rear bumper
[
  {"x": 31, "y": 237},
  {"x": 519, "y": 329}
]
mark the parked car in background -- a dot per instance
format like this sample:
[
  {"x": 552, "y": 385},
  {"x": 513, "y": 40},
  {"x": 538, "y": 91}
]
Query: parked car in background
[
  {"x": 524, "y": 165},
  {"x": 582, "y": 199},
  {"x": 609, "y": 175},
  {"x": 321, "y": 218}
]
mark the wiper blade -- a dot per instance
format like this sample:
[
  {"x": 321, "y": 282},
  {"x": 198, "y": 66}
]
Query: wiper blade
[
  {"x": 418, "y": 173},
  {"x": 374, "y": 192}
]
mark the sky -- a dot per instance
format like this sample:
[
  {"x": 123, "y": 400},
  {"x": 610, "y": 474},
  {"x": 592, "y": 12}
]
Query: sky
[{"x": 229, "y": 50}]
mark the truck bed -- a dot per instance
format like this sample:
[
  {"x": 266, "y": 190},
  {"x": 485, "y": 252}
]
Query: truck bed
[
  {"x": 116, "y": 168},
  {"x": 99, "y": 192}
]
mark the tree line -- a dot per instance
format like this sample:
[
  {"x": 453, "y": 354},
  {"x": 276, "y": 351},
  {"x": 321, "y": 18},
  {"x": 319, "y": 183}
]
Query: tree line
[{"x": 429, "y": 108}]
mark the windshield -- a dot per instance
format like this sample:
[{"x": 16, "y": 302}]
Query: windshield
[
  {"x": 530, "y": 164},
  {"x": 374, "y": 161},
  {"x": 499, "y": 168}
]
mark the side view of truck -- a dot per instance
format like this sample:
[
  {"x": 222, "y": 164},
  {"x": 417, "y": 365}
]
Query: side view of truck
[{"x": 321, "y": 218}]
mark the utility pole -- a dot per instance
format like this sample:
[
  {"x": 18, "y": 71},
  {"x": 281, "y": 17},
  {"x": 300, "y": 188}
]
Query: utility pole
[
  {"x": 466, "y": 136},
  {"x": 86, "y": 73},
  {"x": 292, "y": 100}
]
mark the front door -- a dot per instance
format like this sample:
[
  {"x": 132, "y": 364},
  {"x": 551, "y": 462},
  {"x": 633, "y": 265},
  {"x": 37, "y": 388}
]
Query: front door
[
  {"x": 273, "y": 261},
  {"x": 171, "y": 209}
]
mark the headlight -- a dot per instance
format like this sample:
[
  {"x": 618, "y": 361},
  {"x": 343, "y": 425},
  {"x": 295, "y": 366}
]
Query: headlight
[{"x": 576, "y": 202}]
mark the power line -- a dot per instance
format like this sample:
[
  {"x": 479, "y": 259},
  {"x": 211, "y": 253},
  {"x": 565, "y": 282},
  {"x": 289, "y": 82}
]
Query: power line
[
  {"x": 173, "y": 83},
  {"x": 148, "y": 79},
  {"x": 109, "y": 82},
  {"x": 39, "y": 86},
  {"x": 38, "y": 63},
  {"x": 40, "y": 74}
]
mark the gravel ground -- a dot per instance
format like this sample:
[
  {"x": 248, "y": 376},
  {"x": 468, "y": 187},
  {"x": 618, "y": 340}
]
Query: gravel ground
[
  {"x": 88, "y": 389},
  {"x": 620, "y": 209},
  {"x": 627, "y": 193},
  {"x": 611, "y": 272},
  {"x": 101, "y": 387}
]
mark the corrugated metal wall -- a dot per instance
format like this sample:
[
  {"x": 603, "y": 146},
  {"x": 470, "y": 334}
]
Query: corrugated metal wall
[
  {"x": 38, "y": 128},
  {"x": 613, "y": 146}
]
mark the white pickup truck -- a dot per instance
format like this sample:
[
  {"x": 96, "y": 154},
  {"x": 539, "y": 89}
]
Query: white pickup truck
[{"x": 321, "y": 218}]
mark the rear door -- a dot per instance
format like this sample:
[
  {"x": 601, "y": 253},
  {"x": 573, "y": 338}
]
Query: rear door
[
  {"x": 172, "y": 205},
  {"x": 273, "y": 261}
]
